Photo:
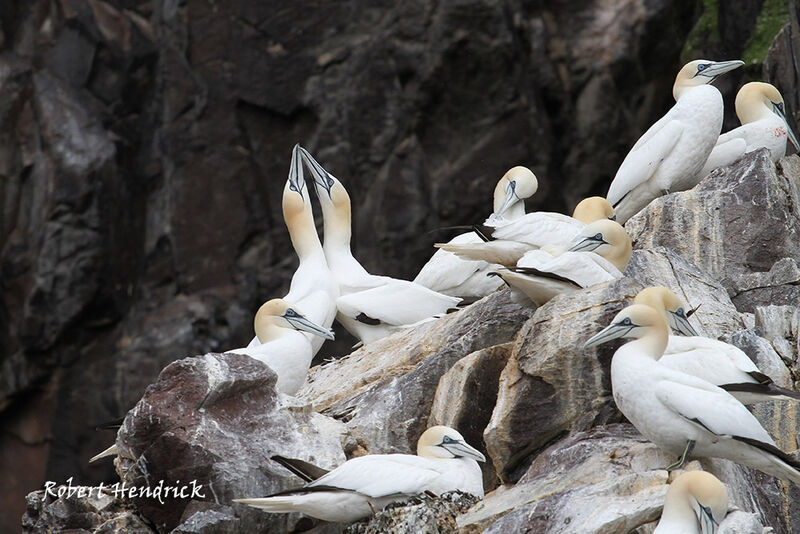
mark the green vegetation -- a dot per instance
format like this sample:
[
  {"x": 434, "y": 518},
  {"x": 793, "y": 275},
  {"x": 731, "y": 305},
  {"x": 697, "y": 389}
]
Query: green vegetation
[
  {"x": 705, "y": 30},
  {"x": 772, "y": 18}
]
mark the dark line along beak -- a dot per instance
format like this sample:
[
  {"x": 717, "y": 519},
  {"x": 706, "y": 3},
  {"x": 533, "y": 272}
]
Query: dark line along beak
[
  {"x": 612, "y": 331},
  {"x": 718, "y": 68},
  {"x": 778, "y": 109},
  {"x": 299, "y": 322},
  {"x": 296, "y": 179},
  {"x": 588, "y": 244},
  {"x": 461, "y": 449},
  {"x": 320, "y": 175},
  {"x": 511, "y": 199},
  {"x": 681, "y": 323},
  {"x": 708, "y": 525}
]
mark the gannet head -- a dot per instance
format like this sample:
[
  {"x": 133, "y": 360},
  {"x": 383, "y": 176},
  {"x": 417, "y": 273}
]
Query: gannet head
[
  {"x": 700, "y": 492},
  {"x": 517, "y": 184},
  {"x": 323, "y": 181},
  {"x": 606, "y": 238},
  {"x": 593, "y": 209},
  {"x": 294, "y": 193},
  {"x": 277, "y": 313},
  {"x": 635, "y": 321},
  {"x": 671, "y": 305},
  {"x": 755, "y": 99},
  {"x": 701, "y": 72},
  {"x": 444, "y": 442}
]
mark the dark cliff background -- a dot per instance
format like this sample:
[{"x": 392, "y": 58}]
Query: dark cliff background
[{"x": 144, "y": 146}]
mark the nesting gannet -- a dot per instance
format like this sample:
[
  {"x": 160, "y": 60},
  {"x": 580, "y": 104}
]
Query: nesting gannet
[
  {"x": 364, "y": 485},
  {"x": 760, "y": 109},
  {"x": 684, "y": 415},
  {"x": 282, "y": 346},
  {"x": 509, "y": 242},
  {"x": 369, "y": 307},
  {"x": 671, "y": 153},
  {"x": 717, "y": 362},
  {"x": 600, "y": 253},
  {"x": 313, "y": 288},
  {"x": 448, "y": 274},
  {"x": 696, "y": 503}
]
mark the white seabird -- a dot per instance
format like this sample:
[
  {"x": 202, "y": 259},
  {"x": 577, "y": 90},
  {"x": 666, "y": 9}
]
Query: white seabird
[
  {"x": 672, "y": 151},
  {"x": 364, "y": 485},
  {"x": 510, "y": 241},
  {"x": 369, "y": 307},
  {"x": 696, "y": 503},
  {"x": 684, "y": 415},
  {"x": 715, "y": 361},
  {"x": 760, "y": 109},
  {"x": 313, "y": 288},
  {"x": 599, "y": 254},
  {"x": 282, "y": 345},
  {"x": 450, "y": 275}
]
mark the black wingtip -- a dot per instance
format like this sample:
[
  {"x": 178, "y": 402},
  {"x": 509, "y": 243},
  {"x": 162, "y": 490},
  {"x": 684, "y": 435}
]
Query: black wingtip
[
  {"x": 484, "y": 232},
  {"x": 305, "y": 470}
]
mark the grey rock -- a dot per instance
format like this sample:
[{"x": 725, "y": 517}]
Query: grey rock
[
  {"x": 741, "y": 224},
  {"x": 423, "y": 514}
]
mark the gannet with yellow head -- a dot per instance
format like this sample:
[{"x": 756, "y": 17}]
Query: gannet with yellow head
[
  {"x": 509, "y": 242},
  {"x": 684, "y": 415},
  {"x": 761, "y": 111},
  {"x": 369, "y": 307},
  {"x": 599, "y": 253},
  {"x": 448, "y": 274},
  {"x": 281, "y": 344},
  {"x": 718, "y": 362},
  {"x": 673, "y": 150},
  {"x": 366, "y": 484},
  {"x": 696, "y": 503}
]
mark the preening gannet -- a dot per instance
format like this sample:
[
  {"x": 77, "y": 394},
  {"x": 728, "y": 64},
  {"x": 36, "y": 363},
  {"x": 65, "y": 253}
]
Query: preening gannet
[
  {"x": 313, "y": 287},
  {"x": 684, "y": 415},
  {"x": 715, "y": 361},
  {"x": 369, "y": 307},
  {"x": 448, "y": 274},
  {"x": 696, "y": 503},
  {"x": 510, "y": 241},
  {"x": 673, "y": 150},
  {"x": 362, "y": 485},
  {"x": 760, "y": 109},
  {"x": 600, "y": 253},
  {"x": 282, "y": 346}
]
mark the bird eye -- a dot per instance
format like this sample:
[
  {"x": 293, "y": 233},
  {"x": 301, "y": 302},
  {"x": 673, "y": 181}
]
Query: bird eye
[
  {"x": 779, "y": 105},
  {"x": 447, "y": 439},
  {"x": 290, "y": 313},
  {"x": 703, "y": 66},
  {"x": 680, "y": 313},
  {"x": 598, "y": 237},
  {"x": 292, "y": 187},
  {"x": 626, "y": 321},
  {"x": 512, "y": 184}
]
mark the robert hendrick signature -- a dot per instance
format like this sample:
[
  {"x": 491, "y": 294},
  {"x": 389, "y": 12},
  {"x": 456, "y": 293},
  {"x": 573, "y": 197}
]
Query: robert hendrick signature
[{"x": 120, "y": 490}]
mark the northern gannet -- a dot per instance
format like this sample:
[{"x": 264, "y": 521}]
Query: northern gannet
[
  {"x": 673, "y": 150},
  {"x": 369, "y": 307},
  {"x": 696, "y": 503},
  {"x": 282, "y": 345},
  {"x": 599, "y": 254},
  {"x": 509, "y": 242},
  {"x": 718, "y": 362},
  {"x": 760, "y": 109},
  {"x": 684, "y": 415},
  {"x": 448, "y": 274},
  {"x": 313, "y": 288},
  {"x": 364, "y": 485}
]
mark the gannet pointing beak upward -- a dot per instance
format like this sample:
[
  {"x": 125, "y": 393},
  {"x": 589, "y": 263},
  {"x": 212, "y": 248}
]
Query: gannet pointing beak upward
[
  {"x": 696, "y": 503},
  {"x": 366, "y": 484},
  {"x": 684, "y": 415}
]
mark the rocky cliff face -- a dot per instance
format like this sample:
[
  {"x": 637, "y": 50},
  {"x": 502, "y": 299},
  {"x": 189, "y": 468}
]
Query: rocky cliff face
[{"x": 145, "y": 142}]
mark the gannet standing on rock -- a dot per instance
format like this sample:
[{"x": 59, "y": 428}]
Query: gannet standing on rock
[
  {"x": 718, "y": 362},
  {"x": 672, "y": 151},
  {"x": 599, "y": 254},
  {"x": 366, "y": 484},
  {"x": 369, "y": 307},
  {"x": 696, "y": 503},
  {"x": 282, "y": 345},
  {"x": 760, "y": 109},
  {"x": 510, "y": 241},
  {"x": 448, "y": 274},
  {"x": 684, "y": 415}
]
